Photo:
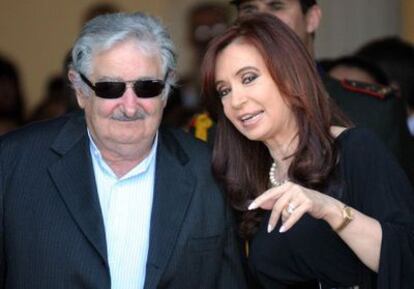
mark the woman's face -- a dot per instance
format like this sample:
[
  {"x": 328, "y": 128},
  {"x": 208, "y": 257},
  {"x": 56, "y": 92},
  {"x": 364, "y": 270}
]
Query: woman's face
[{"x": 250, "y": 97}]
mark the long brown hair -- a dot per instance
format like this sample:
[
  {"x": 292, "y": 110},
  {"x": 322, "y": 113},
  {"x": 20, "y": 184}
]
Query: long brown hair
[{"x": 242, "y": 165}]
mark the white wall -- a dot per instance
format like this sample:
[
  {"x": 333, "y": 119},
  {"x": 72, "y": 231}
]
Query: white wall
[{"x": 347, "y": 24}]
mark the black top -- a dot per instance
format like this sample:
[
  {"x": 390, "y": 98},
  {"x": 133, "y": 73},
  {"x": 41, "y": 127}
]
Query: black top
[{"x": 368, "y": 179}]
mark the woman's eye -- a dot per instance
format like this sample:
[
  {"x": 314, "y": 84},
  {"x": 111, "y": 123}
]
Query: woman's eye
[
  {"x": 223, "y": 92},
  {"x": 248, "y": 78}
]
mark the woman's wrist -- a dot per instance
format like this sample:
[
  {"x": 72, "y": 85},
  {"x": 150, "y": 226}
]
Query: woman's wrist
[{"x": 335, "y": 215}]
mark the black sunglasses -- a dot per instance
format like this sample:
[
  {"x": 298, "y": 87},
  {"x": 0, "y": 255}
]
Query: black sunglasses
[{"x": 115, "y": 89}]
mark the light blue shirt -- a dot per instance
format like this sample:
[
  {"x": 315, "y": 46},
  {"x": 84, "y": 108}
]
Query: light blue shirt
[{"x": 126, "y": 205}]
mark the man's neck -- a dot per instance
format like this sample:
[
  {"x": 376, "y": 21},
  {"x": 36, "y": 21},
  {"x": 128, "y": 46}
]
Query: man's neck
[{"x": 122, "y": 158}]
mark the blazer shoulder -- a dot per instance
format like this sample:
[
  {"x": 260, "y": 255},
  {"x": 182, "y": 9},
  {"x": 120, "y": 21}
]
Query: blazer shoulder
[
  {"x": 185, "y": 139},
  {"x": 36, "y": 129},
  {"x": 185, "y": 145},
  {"x": 36, "y": 137}
]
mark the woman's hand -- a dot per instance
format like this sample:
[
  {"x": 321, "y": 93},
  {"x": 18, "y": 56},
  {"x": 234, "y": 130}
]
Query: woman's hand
[{"x": 291, "y": 201}]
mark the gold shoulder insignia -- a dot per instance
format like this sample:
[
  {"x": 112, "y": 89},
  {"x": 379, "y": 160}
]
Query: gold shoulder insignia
[{"x": 376, "y": 90}]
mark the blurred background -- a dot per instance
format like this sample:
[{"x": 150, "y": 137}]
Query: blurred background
[{"x": 37, "y": 35}]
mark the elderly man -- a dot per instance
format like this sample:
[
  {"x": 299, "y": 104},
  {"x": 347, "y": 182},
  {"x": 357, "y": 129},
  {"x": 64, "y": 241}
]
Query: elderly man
[
  {"x": 106, "y": 199},
  {"x": 365, "y": 104}
]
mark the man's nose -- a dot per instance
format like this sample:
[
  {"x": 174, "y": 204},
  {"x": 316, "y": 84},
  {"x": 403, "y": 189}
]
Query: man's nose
[{"x": 129, "y": 100}]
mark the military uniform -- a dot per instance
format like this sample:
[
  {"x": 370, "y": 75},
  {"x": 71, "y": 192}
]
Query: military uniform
[
  {"x": 378, "y": 108},
  {"x": 372, "y": 106}
]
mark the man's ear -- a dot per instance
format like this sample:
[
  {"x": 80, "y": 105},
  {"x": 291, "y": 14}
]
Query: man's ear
[
  {"x": 74, "y": 79},
  {"x": 313, "y": 19}
]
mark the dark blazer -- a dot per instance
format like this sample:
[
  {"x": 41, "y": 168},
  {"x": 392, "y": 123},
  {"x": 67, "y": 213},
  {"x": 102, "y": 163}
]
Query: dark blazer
[{"x": 51, "y": 227}]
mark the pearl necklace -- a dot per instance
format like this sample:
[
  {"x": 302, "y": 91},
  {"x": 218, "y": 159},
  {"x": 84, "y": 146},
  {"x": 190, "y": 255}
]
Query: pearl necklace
[{"x": 272, "y": 178}]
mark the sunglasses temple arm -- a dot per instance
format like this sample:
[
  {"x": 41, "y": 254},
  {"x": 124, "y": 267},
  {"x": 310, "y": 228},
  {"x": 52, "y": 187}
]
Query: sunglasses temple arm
[{"x": 84, "y": 79}]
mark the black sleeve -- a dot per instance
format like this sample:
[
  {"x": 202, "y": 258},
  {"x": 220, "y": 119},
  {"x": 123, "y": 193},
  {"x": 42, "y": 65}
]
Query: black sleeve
[{"x": 380, "y": 189}]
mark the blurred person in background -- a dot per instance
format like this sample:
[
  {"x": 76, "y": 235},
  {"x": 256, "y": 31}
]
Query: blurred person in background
[
  {"x": 354, "y": 68},
  {"x": 12, "y": 108},
  {"x": 396, "y": 58},
  {"x": 185, "y": 107},
  {"x": 58, "y": 100},
  {"x": 357, "y": 74},
  {"x": 59, "y": 97}
]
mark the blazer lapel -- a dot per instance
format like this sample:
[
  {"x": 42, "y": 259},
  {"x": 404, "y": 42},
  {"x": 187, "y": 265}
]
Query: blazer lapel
[
  {"x": 75, "y": 181},
  {"x": 174, "y": 186}
]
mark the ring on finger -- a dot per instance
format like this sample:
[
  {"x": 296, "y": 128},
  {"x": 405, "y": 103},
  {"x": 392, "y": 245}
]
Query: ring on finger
[{"x": 290, "y": 208}]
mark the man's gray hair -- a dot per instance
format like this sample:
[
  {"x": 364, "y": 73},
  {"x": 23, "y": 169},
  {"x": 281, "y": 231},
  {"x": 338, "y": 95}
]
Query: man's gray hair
[{"x": 105, "y": 31}]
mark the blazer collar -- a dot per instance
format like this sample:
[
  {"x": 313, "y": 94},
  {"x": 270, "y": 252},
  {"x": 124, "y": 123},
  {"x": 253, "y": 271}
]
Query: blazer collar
[
  {"x": 74, "y": 178},
  {"x": 174, "y": 187}
]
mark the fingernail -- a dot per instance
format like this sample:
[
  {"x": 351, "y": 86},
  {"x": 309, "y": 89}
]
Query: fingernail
[
  {"x": 282, "y": 229},
  {"x": 252, "y": 206},
  {"x": 269, "y": 228}
]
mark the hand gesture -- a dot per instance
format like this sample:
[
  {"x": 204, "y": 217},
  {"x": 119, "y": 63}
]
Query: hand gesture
[{"x": 290, "y": 202}]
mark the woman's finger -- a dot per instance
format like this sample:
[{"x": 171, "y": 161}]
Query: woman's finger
[
  {"x": 268, "y": 198},
  {"x": 288, "y": 210},
  {"x": 277, "y": 210},
  {"x": 296, "y": 214}
]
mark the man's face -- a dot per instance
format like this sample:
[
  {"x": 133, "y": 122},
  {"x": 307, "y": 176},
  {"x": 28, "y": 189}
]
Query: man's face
[
  {"x": 129, "y": 120},
  {"x": 288, "y": 11}
]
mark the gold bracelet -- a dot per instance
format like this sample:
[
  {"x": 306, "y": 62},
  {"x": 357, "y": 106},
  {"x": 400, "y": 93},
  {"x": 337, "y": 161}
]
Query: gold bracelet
[{"x": 347, "y": 216}]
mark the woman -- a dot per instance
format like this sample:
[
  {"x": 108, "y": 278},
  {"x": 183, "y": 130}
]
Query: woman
[{"x": 334, "y": 207}]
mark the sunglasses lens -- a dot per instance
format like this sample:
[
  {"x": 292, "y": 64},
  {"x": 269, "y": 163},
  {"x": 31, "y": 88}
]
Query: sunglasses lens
[
  {"x": 148, "y": 88},
  {"x": 109, "y": 90}
]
